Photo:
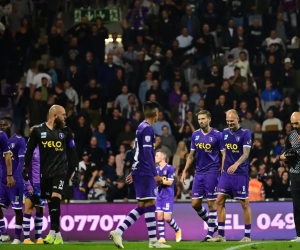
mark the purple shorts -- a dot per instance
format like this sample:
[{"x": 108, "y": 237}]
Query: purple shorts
[
  {"x": 145, "y": 187},
  {"x": 13, "y": 196},
  {"x": 37, "y": 190},
  {"x": 234, "y": 186},
  {"x": 164, "y": 206},
  {"x": 205, "y": 185}
]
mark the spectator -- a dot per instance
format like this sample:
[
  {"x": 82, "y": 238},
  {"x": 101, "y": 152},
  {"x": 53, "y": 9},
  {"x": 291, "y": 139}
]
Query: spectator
[
  {"x": 97, "y": 154},
  {"x": 168, "y": 140},
  {"x": 283, "y": 187},
  {"x": 101, "y": 136},
  {"x": 256, "y": 188},
  {"x": 125, "y": 137},
  {"x": 269, "y": 187},
  {"x": 109, "y": 170},
  {"x": 120, "y": 161}
]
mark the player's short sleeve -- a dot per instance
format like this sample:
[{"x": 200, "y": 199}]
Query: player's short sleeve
[
  {"x": 22, "y": 148},
  {"x": 4, "y": 143},
  {"x": 247, "y": 139},
  {"x": 147, "y": 137},
  {"x": 171, "y": 173},
  {"x": 193, "y": 145},
  {"x": 221, "y": 142},
  {"x": 69, "y": 138}
]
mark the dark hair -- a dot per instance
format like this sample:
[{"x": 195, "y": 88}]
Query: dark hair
[
  {"x": 149, "y": 108},
  {"x": 205, "y": 112}
]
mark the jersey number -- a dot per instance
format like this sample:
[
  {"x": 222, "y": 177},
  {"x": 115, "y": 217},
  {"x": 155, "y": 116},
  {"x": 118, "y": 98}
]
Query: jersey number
[
  {"x": 136, "y": 149},
  {"x": 61, "y": 185}
]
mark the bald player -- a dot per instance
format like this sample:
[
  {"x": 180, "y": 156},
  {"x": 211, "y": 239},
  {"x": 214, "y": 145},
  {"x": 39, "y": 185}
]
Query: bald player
[
  {"x": 292, "y": 141},
  {"x": 57, "y": 151},
  {"x": 234, "y": 180}
]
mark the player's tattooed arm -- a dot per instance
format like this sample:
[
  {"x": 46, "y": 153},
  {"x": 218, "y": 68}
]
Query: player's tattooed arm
[
  {"x": 190, "y": 160},
  {"x": 192, "y": 155},
  {"x": 245, "y": 156}
]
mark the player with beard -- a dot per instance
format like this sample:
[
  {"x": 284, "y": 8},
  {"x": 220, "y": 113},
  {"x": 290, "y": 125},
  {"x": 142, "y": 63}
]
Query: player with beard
[
  {"x": 57, "y": 150},
  {"x": 206, "y": 143},
  {"x": 291, "y": 154},
  {"x": 13, "y": 196}
]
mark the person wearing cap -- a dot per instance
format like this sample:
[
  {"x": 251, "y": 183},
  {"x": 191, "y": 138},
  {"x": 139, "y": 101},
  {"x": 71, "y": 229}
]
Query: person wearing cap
[{"x": 288, "y": 78}]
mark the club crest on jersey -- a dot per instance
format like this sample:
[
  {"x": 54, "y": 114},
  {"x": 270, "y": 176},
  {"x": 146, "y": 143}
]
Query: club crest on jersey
[
  {"x": 61, "y": 135},
  {"x": 237, "y": 138},
  {"x": 43, "y": 134},
  {"x": 147, "y": 138},
  {"x": 211, "y": 139},
  {"x": 12, "y": 145},
  {"x": 165, "y": 172},
  {"x": 225, "y": 137},
  {"x": 197, "y": 137}
]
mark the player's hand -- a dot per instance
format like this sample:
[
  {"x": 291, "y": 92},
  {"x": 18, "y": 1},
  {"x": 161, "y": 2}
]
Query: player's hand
[
  {"x": 158, "y": 179},
  {"x": 129, "y": 179},
  {"x": 76, "y": 179},
  {"x": 25, "y": 174},
  {"x": 232, "y": 169},
  {"x": 10, "y": 181},
  {"x": 183, "y": 177}
]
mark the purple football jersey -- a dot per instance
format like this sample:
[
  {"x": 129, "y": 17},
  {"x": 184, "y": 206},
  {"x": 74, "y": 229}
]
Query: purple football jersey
[
  {"x": 34, "y": 167},
  {"x": 208, "y": 147},
  {"x": 3, "y": 149},
  {"x": 234, "y": 142},
  {"x": 17, "y": 147},
  {"x": 144, "y": 145},
  {"x": 166, "y": 192}
]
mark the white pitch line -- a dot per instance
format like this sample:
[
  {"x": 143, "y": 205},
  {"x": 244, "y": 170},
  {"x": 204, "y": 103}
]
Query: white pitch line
[{"x": 244, "y": 245}]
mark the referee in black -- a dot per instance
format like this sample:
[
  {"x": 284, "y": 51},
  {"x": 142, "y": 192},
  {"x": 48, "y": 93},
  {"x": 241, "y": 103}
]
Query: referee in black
[
  {"x": 57, "y": 151},
  {"x": 291, "y": 154}
]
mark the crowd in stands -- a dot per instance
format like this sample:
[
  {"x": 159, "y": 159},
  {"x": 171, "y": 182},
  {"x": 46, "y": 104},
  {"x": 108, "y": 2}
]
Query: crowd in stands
[{"x": 200, "y": 54}]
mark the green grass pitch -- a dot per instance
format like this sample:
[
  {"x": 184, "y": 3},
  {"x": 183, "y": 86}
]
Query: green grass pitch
[{"x": 184, "y": 245}]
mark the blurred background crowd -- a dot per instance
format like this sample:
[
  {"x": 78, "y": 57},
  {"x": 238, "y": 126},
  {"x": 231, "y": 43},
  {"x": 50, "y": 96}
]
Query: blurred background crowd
[{"x": 188, "y": 55}]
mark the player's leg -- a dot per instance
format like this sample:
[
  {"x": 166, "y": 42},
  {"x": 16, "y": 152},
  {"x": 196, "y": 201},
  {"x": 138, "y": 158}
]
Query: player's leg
[
  {"x": 240, "y": 186},
  {"x": 4, "y": 203},
  {"x": 224, "y": 190},
  {"x": 247, "y": 218},
  {"x": 53, "y": 207},
  {"x": 198, "y": 192},
  {"x": 168, "y": 218},
  {"x": 131, "y": 218},
  {"x": 145, "y": 188},
  {"x": 295, "y": 192},
  {"x": 4, "y": 237},
  {"x": 56, "y": 196},
  {"x": 26, "y": 220},
  {"x": 160, "y": 221},
  {"x": 16, "y": 198},
  {"x": 38, "y": 222},
  {"x": 211, "y": 182}
]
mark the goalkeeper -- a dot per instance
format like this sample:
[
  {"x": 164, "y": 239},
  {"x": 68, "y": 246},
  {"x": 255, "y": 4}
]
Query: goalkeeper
[{"x": 291, "y": 154}]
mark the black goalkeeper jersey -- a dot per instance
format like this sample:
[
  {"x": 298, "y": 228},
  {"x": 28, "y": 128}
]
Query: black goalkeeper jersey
[{"x": 53, "y": 145}]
